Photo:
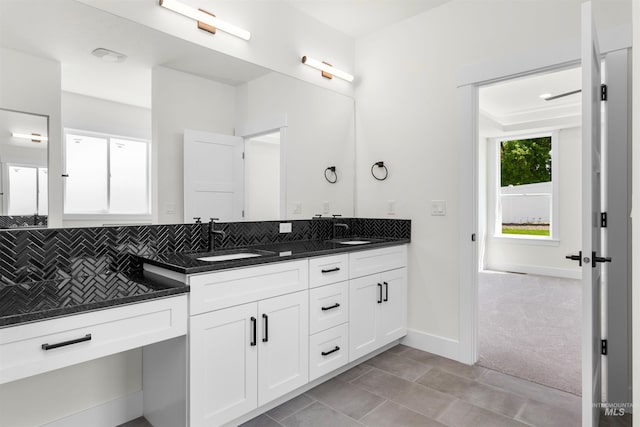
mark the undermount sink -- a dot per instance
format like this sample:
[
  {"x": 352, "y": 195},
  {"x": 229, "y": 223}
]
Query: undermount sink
[
  {"x": 230, "y": 256},
  {"x": 355, "y": 241}
]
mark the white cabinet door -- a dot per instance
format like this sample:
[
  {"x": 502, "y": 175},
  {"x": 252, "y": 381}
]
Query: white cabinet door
[
  {"x": 364, "y": 302},
  {"x": 223, "y": 365},
  {"x": 393, "y": 310},
  {"x": 283, "y": 363},
  {"x": 377, "y": 311}
]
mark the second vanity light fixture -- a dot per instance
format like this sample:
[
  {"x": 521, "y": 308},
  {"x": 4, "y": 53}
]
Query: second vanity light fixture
[
  {"x": 35, "y": 137},
  {"x": 206, "y": 21},
  {"x": 328, "y": 70}
]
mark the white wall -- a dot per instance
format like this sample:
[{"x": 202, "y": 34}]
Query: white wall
[
  {"x": 182, "y": 101},
  {"x": 407, "y": 115},
  {"x": 635, "y": 273},
  {"x": 534, "y": 256},
  {"x": 320, "y": 133},
  {"x": 32, "y": 84},
  {"x": 100, "y": 115}
]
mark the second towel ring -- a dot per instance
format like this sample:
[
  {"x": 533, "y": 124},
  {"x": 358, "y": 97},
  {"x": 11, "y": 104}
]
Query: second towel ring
[
  {"x": 332, "y": 170},
  {"x": 380, "y": 165}
]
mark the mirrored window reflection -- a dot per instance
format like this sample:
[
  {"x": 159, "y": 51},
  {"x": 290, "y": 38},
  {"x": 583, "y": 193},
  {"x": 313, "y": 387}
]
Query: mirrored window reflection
[
  {"x": 106, "y": 174},
  {"x": 27, "y": 190}
]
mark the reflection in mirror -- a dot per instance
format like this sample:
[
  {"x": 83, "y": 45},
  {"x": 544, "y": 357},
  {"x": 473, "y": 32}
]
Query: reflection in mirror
[
  {"x": 23, "y": 169},
  {"x": 262, "y": 177},
  {"x": 164, "y": 86}
]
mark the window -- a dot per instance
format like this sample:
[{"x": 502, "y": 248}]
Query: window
[
  {"x": 526, "y": 187},
  {"x": 27, "y": 190},
  {"x": 106, "y": 174}
]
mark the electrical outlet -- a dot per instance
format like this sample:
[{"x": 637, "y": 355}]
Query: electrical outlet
[
  {"x": 391, "y": 207},
  {"x": 297, "y": 207},
  {"x": 438, "y": 208},
  {"x": 325, "y": 207},
  {"x": 285, "y": 227}
]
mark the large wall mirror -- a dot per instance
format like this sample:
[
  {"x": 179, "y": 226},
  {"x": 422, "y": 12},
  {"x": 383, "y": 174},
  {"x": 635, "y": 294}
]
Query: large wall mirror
[{"x": 127, "y": 93}]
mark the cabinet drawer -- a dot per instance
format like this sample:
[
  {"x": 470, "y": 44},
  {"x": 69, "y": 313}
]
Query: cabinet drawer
[
  {"x": 328, "y": 269},
  {"x": 214, "y": 291},
  {"x": 328, "y": 306},
  {"x": 38, "y": 347},
  {"x": 328, "y": 350},
  {"x": 362, "y": 263}
]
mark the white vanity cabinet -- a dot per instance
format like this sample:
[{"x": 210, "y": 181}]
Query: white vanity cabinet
[
  {"x": 377, "y": 299},
  {"x": 254, "y": 350}
]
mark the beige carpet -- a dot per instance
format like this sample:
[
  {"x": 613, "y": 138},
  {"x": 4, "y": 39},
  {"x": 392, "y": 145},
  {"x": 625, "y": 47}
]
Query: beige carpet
[{"x": 530, "y": 328}]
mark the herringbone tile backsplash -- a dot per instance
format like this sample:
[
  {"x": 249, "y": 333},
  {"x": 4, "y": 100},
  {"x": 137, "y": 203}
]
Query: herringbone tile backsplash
[{"x": 46, "y": 254}]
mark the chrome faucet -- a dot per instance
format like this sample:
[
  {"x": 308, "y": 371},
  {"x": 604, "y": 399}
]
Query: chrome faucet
[
  {"x": 212, "y": 234},
  {"x": 337, "y": 224}
]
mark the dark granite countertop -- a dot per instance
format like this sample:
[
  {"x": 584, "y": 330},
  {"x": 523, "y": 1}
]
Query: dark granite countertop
[
  {"x": 188, "y": 263},
  {"x": 28, "y": 302}
]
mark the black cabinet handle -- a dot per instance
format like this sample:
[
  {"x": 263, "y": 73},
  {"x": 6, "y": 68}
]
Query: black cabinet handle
[
  {"x": 331, "y": 270},
  {"x": 336, "y": 305},
  {"x": 380, "y": 293},
  {"x": 64, "y": 343},
  {"x": 326, "y": 353},
  {"x": 254, "y": 328},
  {"x": 266, "y": 328},
  {"x": 386, "y": 291}
]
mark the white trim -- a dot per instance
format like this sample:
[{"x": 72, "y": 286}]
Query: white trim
[
  {"x": 539, "y": 270},
  {"x": 115, "y": 412},
  {"x": 528, "y": 240},
  {"x": 258, "y": 127},
  {"x": 442, "y": 346}
]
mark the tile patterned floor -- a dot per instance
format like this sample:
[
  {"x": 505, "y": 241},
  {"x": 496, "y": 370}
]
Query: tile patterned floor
[{"x": 405, "y": 387}]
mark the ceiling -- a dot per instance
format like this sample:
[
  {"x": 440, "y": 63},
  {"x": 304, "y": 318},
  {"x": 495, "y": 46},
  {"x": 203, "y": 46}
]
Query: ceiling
[
  {"x": 518, "y": 101},
  {"x": 357, "y": 18}
]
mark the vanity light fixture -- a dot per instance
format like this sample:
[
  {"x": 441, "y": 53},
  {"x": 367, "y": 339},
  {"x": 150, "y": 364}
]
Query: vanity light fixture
[
  {"x": 206, "y": 21},
  {"x": 35, "y": 137},
  {"x": 328, "y": 71}
]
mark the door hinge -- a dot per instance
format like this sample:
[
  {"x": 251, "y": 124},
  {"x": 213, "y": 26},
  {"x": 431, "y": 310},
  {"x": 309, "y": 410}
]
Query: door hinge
[
  {"x": 473, "y": 237},
  {"x": 243, "y": 155},
  {"x": 603, "y": 219},
  {"x": 243, "y": 213},
  {"x": 603, "y": 92},
  {"x": 603, "y": 347}
]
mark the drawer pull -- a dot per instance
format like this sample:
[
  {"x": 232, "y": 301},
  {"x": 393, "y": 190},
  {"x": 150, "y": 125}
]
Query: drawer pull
[
  {"x": 336, "y": 305},
  {"x": 266, "y": 328},
  {"x": 331, "y": 270},
  {"x": 326, "y": 353},
  {"x": 386, "y": 291},
  {"x": 380, "y": 293},
  {"x": 64, "y": 343},
  {"x": 254, "y": 328}
]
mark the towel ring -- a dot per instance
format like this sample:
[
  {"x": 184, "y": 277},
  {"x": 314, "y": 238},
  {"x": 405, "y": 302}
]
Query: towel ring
[
  {"x": 380, "y": 165},
  {"x": 332, "y": 170}
]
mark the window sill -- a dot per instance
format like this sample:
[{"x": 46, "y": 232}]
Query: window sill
[{"x": 526, "y": 240}]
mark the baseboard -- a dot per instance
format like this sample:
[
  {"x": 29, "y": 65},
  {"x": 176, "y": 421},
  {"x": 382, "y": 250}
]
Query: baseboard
[
  {"x": 566, "y": 273},
  {"x": 109, "y": 414},
  {"x": 445, "y": 347}
]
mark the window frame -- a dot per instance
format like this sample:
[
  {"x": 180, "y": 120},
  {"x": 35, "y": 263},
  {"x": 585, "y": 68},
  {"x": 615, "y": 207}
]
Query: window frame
[
  {"x": 496, "y": 213},
  {"x": 106, "y": 215}
]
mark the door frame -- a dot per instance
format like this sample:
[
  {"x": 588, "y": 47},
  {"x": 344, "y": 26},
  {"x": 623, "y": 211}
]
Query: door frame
[
  {"x": 275, "y": 124},
  {"x": 562, "y": 55}
]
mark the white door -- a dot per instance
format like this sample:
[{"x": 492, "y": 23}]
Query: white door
[
  {"x": 365, "y": 297},
  {"x": 591, "y": 244},
  {"x": 213, "y": 176},
  {"x": 283, "y": 359},
  {"x": 223, "y": 363},
  {"x": 393, "y": 310}
]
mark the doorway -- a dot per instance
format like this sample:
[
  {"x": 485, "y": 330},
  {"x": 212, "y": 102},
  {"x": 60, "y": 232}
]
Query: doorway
[
  {"x": 262, "y": 177},
  {"x": 529, "y": 295}
]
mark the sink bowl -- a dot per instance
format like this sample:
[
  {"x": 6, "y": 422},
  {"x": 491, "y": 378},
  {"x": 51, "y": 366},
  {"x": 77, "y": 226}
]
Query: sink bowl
[
  {"x": 355, "y": 241},
  {"x": 230, "y": 256}
]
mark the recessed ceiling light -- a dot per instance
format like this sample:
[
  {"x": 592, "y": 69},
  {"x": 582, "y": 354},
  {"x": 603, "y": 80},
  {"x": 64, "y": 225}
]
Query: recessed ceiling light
[
  {"x": 108, "y": 55},
  {"x": 545, "y": 96}
]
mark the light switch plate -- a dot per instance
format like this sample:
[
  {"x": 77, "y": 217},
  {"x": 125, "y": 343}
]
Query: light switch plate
[
  {"x": 438, "y": 208},
  {"x": 325, "y": 207},
  {"x": 285, "y": 227},
  {"x": 391, "y": 207},
  {"x": 297, "y": 207}
]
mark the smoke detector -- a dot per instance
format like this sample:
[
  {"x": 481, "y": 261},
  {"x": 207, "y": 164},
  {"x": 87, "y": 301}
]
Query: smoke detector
[{"x": 108, "y": 55}]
